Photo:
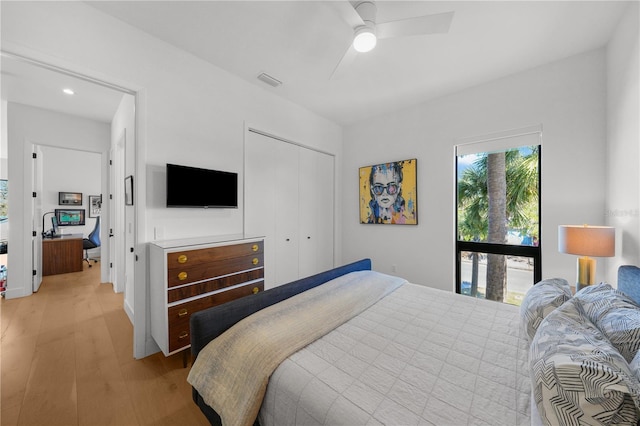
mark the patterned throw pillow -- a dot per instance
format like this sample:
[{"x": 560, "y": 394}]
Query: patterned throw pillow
[
  {"x": 578, "y": 377},
  {"x": 597, "y": 300},
  {"x": 540, "y": 300},
  {"x": 615, "y": 314}
]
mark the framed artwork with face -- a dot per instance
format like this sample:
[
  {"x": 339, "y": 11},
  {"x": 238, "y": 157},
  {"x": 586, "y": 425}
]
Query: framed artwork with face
[{"x": 389, "y": 193}]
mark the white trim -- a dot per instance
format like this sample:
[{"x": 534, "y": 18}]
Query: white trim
[
  {"x": 272, "y": 136},
  {"x": 500, "y": 141}
]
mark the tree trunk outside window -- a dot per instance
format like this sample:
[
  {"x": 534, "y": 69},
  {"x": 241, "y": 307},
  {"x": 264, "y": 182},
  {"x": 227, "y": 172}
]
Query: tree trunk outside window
[{"x": 497, "y": 197}]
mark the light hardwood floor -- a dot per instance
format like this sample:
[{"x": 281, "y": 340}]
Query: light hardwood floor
[{"x": 66, "y": 358}]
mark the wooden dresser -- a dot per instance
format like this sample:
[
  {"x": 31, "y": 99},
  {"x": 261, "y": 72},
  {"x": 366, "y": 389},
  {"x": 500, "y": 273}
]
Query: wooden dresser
[{"x": 189, "y": 275}]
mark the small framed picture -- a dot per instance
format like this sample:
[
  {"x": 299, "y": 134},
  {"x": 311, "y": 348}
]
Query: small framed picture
[
  {"x": 95, "y": 205},
  {"x": 128, "y": 190}
]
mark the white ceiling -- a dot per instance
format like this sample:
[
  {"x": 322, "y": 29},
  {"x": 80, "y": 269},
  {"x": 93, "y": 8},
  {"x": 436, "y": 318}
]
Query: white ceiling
[
  {"x": 29, "y": 84},
  {"x": 301, "y": 42}
]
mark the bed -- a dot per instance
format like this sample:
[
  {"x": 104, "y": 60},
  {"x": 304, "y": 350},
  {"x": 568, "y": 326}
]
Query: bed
[{"x": 395, "y": 353}]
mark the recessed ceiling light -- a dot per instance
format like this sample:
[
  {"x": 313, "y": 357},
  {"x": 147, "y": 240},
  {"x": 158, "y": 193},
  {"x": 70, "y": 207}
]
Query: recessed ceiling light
[{"x": 68, "y": 91}]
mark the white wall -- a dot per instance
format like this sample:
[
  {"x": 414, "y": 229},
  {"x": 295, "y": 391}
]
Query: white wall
[
  {"x": 566, "y": 97},
  {"x": 188, "y": 111},
  {"x": 26, "y": 126},
  {"x": 623, "y": 142},
  {"x": 68, "y": 170}
]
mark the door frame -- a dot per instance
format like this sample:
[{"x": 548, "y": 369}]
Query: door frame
[{"x": 142, "y": 346}]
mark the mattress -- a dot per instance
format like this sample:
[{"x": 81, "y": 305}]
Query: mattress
[{"x": 418, "y": 356}]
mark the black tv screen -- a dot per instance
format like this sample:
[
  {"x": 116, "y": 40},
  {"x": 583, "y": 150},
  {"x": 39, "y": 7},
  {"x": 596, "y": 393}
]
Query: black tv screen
[
  {"x": 70, "y": 217},
  {"x": 196, "y": 187}
]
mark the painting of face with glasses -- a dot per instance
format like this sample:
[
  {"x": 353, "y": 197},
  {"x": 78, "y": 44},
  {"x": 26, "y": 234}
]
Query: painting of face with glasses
[{"x": 388, "y": 193}]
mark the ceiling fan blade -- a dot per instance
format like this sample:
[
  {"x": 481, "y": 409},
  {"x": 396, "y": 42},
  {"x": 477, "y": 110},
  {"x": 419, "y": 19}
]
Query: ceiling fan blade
[
  {"x": 347, "y": 59},
  {"x": 428, "y": 24},
  {"x": 347, "y": 13}
]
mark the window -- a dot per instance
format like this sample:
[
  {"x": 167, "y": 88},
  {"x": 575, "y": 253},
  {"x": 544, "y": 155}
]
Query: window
[{"x": 498, "y": 216}]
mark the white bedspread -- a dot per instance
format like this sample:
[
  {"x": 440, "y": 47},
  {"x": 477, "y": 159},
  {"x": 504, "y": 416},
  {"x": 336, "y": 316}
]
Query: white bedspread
[
  {"x": 232, "y": 371},
  {"x": 417, "y": 357}
]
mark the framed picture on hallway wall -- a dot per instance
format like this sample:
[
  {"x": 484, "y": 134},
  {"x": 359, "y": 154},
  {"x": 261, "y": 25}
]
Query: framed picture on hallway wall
[
  {"x": 389, "y": 193},
  {"x": 95, "y": 205}
]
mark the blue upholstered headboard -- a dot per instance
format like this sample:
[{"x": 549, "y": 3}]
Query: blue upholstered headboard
[{"x": 629, "y": 281}]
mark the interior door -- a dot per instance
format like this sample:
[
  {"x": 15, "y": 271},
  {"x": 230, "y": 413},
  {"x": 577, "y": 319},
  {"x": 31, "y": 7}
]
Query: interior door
[
  {"x": 316, "y": 212},
  {"x": 117, "y": 246},
  {"x": 37, "y": 218},
  {"x": 287, "y": 213},
  {"x": 310, "y": 212},
  {"x": 324, "y": 192}
]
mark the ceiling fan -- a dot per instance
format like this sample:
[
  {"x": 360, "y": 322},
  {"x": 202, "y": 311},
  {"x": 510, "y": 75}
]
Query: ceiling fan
[{"x": 361, "y": 16}]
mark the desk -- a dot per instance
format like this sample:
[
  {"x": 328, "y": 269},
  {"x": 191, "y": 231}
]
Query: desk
[{"x": 62, "y": 254}]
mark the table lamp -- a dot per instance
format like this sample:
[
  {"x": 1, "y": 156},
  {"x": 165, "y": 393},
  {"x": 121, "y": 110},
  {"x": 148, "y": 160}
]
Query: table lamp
[{"x": 585, "y": 241}]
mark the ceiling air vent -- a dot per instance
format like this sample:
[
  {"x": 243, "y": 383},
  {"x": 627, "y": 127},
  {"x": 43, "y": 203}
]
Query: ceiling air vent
[{"x": 269, "y": 80}]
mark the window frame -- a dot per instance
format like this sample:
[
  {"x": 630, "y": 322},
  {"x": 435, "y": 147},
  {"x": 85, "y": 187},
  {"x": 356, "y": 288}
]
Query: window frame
[{"x": 533, "y": 252}]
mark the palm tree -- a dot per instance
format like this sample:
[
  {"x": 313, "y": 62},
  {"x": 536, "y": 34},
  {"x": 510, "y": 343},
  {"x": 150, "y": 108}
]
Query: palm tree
[{"x": 499, "y": 192}]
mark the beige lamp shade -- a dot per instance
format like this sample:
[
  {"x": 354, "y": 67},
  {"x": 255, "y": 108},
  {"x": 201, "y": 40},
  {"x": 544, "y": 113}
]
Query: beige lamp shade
[{"x": 583, "y": 240}]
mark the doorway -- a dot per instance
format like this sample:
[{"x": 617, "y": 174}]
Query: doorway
[{"x": 110, "y": 104}]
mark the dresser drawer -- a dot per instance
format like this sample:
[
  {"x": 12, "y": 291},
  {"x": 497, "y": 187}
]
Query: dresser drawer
[
  {"x": 188, "y": 273},
  {"x": 178, "y": 316},
  {"x": 193, "y": 257},
  {"x": 193, "y": 290}
]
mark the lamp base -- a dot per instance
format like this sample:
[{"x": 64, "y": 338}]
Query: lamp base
[{"x": 586, "y": 269}]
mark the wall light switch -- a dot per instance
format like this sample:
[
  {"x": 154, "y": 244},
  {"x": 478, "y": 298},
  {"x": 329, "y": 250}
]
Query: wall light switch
[{"x": 158, "y": 233}]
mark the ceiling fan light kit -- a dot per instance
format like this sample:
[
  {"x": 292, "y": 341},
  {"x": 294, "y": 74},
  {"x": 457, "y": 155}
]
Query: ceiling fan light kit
[
  {"x": 365, "y": 39},
  {"x": 362, "y": 17}
]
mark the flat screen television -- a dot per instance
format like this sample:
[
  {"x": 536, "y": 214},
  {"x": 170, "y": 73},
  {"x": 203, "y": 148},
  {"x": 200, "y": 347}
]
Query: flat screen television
[
  {"x": 70, "y": 217},
  {"x": 201, "y": 188}
]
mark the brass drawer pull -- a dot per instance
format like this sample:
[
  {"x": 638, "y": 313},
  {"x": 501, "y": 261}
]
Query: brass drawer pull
[
  {"x": 255, "y": 261},
  {"x": 182, "y": 276},
  {"x": 256, "y": 290},
  {"x": 182, "y": 258},
  {"x": 182, "y": 312},
  {"x": 255, "y": 247},
  {"x": 183, "y": 335}
]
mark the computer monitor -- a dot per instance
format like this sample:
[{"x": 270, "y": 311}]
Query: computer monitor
[
  {"x": 54, "y": 224},
  {"x": 70, "y": 217}
]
